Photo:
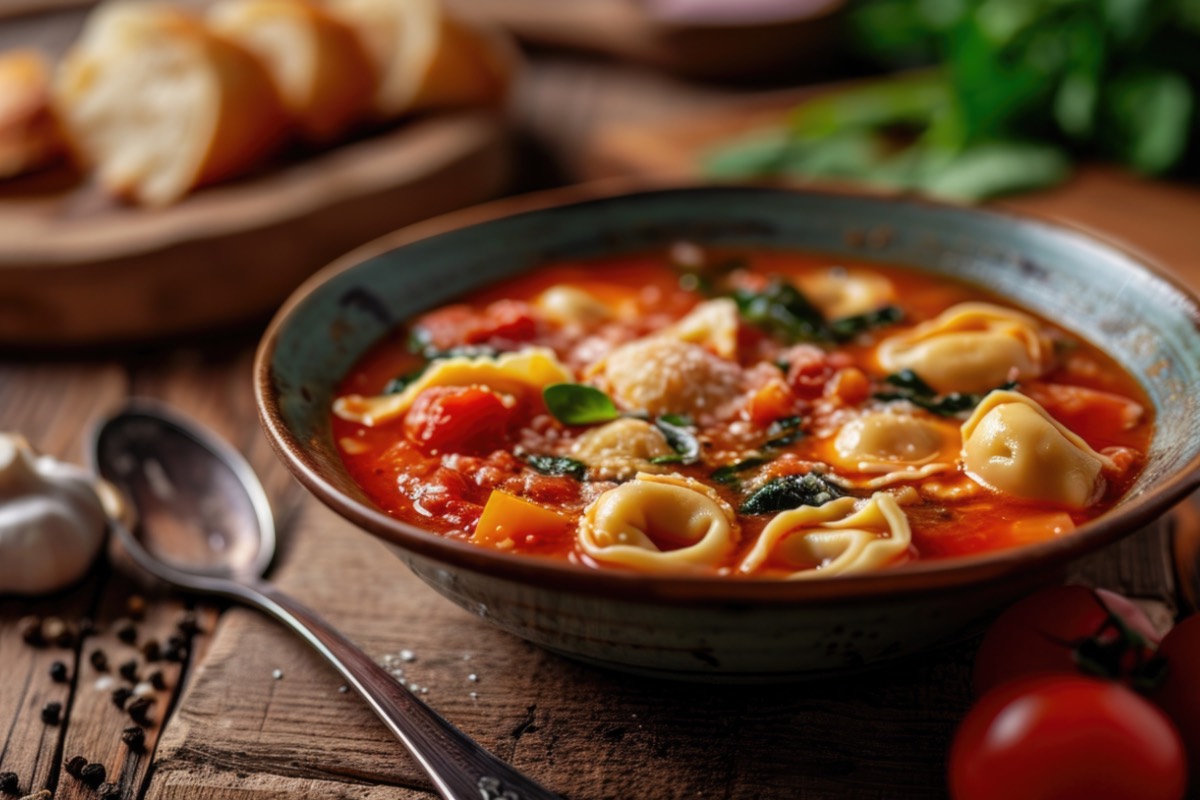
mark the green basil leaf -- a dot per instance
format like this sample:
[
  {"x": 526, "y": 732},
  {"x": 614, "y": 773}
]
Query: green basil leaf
[
  {"x": 995, "y": 168},
  {"x": 401, "y": 382},
  {"x": 578, "y": 404},
  {"x": 558, "y": 465},
  {"x": 912, "y": 389},
  {"x": 790, "y": 491},
  {"x": 783, "y": 432},
  {"x": 910, "y": 381}
]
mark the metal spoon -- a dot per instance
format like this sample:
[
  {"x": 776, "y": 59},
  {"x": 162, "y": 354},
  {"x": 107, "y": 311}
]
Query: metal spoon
[{"x": 206, "y": 526}]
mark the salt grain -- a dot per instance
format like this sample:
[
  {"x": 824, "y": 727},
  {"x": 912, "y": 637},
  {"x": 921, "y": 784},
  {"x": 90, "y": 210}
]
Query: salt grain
[
  {"x": 473, "y": 678},
  {"x": 277, "y": 674},
  {"x": 408, "y": 655},
  {"x": 105, "y": 683}
]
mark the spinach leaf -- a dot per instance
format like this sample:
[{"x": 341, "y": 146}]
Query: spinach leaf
[
  {"x": 783, "y": 432},
  {"x": 401, "y": 382},
  {"x": 790, "y": 491},
  {"x": 911, "y": 388},
  {"x": 679, "y": 434},
  {"x": 558, "y": 465},
  {"x": 781, "y": 309},
  {"x": 846, "y": 328},
  {"x": 728, "y": 474},
  {"x": 578, "y": 404}
]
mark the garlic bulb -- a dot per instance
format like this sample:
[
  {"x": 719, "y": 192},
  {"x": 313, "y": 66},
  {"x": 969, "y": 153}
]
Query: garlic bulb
[{"x": 52, "y": 522}]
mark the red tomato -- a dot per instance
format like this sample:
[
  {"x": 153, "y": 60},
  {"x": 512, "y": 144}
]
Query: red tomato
[
  {"x": 1179, "y": 692},
  {"x": 459, "y": 419},
  {"x": 810, "y": 368},
  {"x": 1060, "y": 737},
  {"x": 1050, "y": 630},
  {"x": 501, "y": 322}
]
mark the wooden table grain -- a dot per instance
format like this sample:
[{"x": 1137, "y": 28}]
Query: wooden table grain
[{"x": 251, "y": 714}]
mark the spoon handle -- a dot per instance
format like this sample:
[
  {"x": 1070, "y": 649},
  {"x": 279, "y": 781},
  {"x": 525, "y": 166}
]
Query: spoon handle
[{"x": 460, "y": 768}]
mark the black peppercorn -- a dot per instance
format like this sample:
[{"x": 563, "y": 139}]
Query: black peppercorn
[
  {"x": 87, "y": 627},
  {"x": 139, "y": 711},
  {"x": 134, "y": 737},
  {"x": 151, "y": 651},
  {"x": 52, "y": 713},
  {"x": 31, "y": 631},
  {"x": 126, "y": 630},
  {"x": 99, "y": 661},
  {"x": 128, "y": 670},
  {"x": 9, "y": 782},
  {"x": 75, "y": 765},
  {"x": 157, "y": 680},
  {"x": 58, "y": 672},
  {"x": 93, "y": 775},
  {"x": 188, "y": 625},
  {"x": 65, "y": 638},
  {"x": 120, "y": 697},
  {"x": 176, "y": 653}
]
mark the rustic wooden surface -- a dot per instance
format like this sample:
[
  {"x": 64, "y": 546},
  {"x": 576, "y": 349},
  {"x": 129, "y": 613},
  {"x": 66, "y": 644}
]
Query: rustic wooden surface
[{"x": 238, "y": 733}]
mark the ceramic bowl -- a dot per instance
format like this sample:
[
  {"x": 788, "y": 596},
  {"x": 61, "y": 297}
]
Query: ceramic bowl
[{"x": 704, "y": 628}]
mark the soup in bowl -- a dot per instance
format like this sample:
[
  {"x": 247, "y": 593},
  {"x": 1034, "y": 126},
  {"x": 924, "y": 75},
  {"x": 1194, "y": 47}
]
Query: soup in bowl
[{"x": 734, "y": 433}]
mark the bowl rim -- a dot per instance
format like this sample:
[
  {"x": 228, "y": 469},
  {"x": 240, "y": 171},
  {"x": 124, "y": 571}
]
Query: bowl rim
[{"x": 919, "y": 577}]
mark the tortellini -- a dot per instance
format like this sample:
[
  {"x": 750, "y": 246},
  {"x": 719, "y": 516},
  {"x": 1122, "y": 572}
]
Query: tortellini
[
  {"x": 712, "y": 324},
  {"x": 531, "y": 369},
  {"x": 659, "y": 523},
  {"x": 620, "y": 449},
  {"x": 885, "y": 442},
  {"x": 842, "y": 293},
  {"x": 970, "y": 348},
  {"x": 1012, "y": 445},
  {"x": 570, "y": 306},
  {"x": 840, "y": 537},
  {"x": 662, "y": 375}
]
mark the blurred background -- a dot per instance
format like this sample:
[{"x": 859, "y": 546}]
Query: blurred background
[{"x": 961, "y": 100}]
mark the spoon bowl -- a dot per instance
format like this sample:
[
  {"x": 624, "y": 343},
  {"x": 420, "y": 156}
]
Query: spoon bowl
[{"x": 204, "y": 524}]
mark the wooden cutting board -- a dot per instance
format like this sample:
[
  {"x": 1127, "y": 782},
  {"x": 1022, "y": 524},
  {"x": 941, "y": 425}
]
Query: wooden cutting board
[
  {"x": 1157, "y": 218},
  {"x": 77, "y": 267}
]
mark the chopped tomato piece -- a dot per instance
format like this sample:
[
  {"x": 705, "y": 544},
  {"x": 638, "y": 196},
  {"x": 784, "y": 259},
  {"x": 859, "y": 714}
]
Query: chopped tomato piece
[
  {"x": 810, "y": 368},
  {"x": 850, "y": 386},
  {"x": 1081, "y": 408},
  {"x": 509, "y": 521},
  {"x": 775, "y": 400},
  {"x": 459, "y": 419},
  {"x": 502, "y": 321}
]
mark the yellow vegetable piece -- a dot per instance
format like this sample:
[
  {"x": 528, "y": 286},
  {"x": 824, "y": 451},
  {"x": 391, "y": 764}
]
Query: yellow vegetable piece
[{"x": 508, "y": 519}]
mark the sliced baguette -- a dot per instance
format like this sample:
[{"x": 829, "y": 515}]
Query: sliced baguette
[
  {"x": 30, "y": 138},
  {"x": 426, "y": 57},
  {"x": 318, "y": 63},
  {"x": 159, "y": 105}
]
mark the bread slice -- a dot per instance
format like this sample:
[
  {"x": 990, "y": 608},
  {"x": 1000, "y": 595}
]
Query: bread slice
[
  {"x": 426, "y": 57},
  {"x": 318, "y": 63},
  {"x": 30, "y": 138},
  {"x": 158, "y": 105}
]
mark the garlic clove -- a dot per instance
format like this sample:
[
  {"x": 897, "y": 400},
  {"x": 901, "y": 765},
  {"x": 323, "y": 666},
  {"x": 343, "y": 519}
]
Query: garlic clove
[{"x": 52, "y": 521}]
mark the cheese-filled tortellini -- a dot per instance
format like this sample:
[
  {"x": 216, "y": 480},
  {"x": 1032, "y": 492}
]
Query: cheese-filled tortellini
[
  {"x": 840, "y": 537},
  {"x": 532, "y": 369},
  {"x": 659, "y": 523},
  {"x": 568, "y": 305},
  {"x": 620, "y": 449},
  {"x": 663, "y": 375},
  {"x": 712, "y": 324},
  {"x": 884, "y": 442},
  {"x": 970, "y": 348},
  {"x": 1012, "y": 445},
  {"x": 845, "y": 293}
]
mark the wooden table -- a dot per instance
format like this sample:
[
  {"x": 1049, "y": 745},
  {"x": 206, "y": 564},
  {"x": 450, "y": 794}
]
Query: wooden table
[{"x": 253, "y": 714}]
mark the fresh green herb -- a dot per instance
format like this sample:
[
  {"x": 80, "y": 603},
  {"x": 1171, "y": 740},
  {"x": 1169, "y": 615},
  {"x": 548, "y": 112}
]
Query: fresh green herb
[
  {"x": 728, "y": 474},
  {"x": 1022, "y": 88},
  {"x": 577, "y": 404},
  {"x": 679, "y": 433},
  {"x": 558, "y": 465},
  {"x": 911, "y": 388},
  {"x": 847, "y": 328},
  {"x": 781, "y": 309},
  {"x": 790, "y": 491}
]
